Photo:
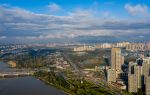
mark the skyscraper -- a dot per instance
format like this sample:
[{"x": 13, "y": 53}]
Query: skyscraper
[
  {"x": 139, "y": 76},
  {"x": 147, "y": 85},
  {"x": 133, "y": 77},
  {"x": 116, "y": 62}
]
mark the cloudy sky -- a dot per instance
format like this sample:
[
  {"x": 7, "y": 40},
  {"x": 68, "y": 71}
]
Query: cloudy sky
[{"x": 29, "y": 20}]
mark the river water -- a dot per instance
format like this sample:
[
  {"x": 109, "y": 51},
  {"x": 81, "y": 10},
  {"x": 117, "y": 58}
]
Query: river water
[
  {"x": 25, "y": 85},
  {"x": 4, "y": 67}
]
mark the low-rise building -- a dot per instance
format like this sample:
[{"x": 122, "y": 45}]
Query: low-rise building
[{"x": 118, "y": 85}]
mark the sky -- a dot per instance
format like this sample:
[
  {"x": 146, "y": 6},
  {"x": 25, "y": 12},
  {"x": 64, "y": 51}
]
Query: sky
[{"x": 36, "y": 20}]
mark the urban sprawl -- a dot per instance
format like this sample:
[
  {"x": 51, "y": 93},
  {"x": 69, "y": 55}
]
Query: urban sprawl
[{"x": 123, "y": 67}]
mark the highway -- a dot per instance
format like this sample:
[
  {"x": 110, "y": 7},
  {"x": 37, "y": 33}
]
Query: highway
[
  {"x": 81, "y": 74},
  {"x": 71, "y": 63}
]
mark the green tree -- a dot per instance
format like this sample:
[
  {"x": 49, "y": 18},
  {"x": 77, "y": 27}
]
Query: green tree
[{"x": 81, "y": 91}]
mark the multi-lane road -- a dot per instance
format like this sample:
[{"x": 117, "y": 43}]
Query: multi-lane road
[{"x": 94, "y": 80}]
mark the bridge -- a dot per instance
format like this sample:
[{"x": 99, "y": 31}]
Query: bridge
[{"x": 15, "y": 74}]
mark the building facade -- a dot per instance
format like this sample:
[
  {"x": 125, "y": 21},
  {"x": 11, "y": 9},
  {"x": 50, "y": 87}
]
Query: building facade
[
  {"x": 139, "y": 76},
  {"x": 138, "y": 47},
  {"x": 117, "y": 60},
  {"x": 147, "y": 86}
]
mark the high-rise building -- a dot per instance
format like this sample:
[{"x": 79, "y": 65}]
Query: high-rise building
[
  {"x": 133, "y": 77},
  {"x": 84, "y": 48},
  {"x": 146, "y": 66},
  {"x": 132, "y": 83},
  {"x": 139, "y": 76},
  {"x": 138, "y": 46},
  {"x": 116, "y": 62},
  {"x": 147, "y": 85}
]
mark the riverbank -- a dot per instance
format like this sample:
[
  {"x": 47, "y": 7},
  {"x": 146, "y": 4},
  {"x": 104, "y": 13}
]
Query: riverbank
[
  {"x": 27, "y": 86},
  {"x": 51, "y": 84},
  {"x": 24, "y": 85},
  {"x": 72, "y": 86}
]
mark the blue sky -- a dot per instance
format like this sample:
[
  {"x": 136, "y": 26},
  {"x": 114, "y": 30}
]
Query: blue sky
[
  {"x": 116, "y": 7},
  {"x": 54, "y": 19}
]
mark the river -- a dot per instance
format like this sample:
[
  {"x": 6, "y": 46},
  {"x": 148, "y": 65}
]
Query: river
[{"x": 25, "y": 85}]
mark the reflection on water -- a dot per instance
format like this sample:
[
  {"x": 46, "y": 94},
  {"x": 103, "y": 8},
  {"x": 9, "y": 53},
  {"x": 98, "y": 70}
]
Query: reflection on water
[
  {"x": 4, "y": 67},
  {"x": 25, "y": 85}
]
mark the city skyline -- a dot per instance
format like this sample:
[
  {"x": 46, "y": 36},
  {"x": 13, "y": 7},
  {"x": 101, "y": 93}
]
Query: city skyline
[
  {"x": 53, "y": 20},
  {"x": 75, "y": 47}
]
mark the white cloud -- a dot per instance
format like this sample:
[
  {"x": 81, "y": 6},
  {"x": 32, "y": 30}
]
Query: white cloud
[
  {"x": 106, "y": 13},
  {"x": 20, "y": 23},
  {"x": 41, "y": 37},
  {"x": 137, "y": 9},
  {"x": 53, "y": 7},
  {"x": 3, "y": 37}
]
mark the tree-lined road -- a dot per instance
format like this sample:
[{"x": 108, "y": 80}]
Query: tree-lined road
[{"x": 81, "y": 74}]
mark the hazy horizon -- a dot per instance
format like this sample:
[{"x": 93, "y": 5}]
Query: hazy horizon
[{"x": 74, "y": 20}]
